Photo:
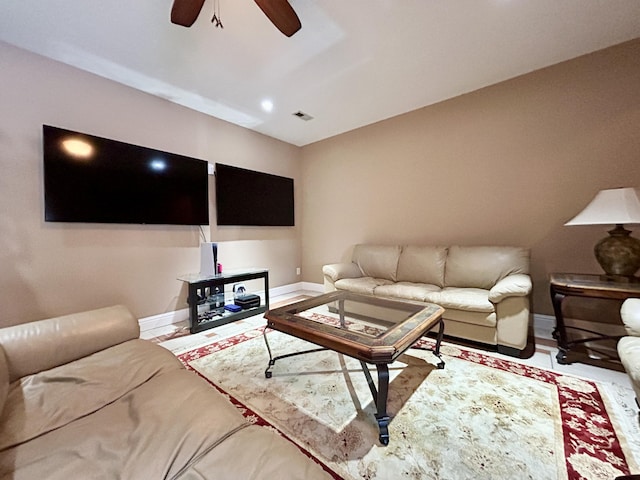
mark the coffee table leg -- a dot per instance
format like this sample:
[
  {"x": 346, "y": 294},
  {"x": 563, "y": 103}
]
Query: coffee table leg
[
  {"x": 341, "y": 312},
  {"x": 272, "y": 361},
  {"x": 380, "y": 397},
  {"x": 381, "y": 403}
]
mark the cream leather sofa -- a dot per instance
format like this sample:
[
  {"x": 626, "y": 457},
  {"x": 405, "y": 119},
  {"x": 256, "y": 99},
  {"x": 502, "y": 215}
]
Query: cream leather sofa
[
  {"x": 484, "y": 290},
  {"x": 629, "y": 346},
  {"x": 82, "y": 397}
]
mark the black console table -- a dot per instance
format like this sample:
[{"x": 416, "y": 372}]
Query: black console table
[
  {"x": 563, "y": 285},
  {"x": 202, "y": 287}
]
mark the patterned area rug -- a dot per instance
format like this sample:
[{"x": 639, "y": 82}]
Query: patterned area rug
[{"x": 479, "y": 418}]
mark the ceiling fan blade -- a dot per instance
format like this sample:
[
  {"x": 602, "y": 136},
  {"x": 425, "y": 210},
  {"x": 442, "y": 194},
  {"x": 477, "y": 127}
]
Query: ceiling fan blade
[
  {"x": 185, "y": 12},
  {"x": 281, "y": 15}
]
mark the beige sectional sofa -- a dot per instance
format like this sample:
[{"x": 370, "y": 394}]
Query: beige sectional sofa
[
  {"x": 483, "y": 289},
  {"x": 82, "y": 397}
]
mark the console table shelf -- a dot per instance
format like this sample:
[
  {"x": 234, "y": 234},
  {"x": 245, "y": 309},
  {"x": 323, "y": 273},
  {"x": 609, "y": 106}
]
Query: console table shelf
[{"x": 202, "y": 286}]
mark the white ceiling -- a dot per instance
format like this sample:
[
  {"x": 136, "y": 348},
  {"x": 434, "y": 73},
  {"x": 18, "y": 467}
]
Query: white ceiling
[{"x": 354, "y": 62}]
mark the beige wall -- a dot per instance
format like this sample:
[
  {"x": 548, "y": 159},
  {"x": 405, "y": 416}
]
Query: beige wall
[
  {"x": 51, "y": 269},
  {"x": 508, "y": 164}
]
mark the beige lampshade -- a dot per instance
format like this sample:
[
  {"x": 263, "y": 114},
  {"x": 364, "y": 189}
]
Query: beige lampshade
[
  {"x": 619, "y": 253},
  {"x": 616, "y": 206}
]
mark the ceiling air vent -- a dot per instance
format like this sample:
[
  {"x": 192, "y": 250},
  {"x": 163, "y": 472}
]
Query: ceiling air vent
[{"x": 303, "y": 116}]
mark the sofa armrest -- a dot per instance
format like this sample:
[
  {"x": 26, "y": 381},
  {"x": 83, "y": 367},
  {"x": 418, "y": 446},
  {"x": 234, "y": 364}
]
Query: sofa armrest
[
  {"x": 337, "y": 271},
  {"x": 515, "y": 285},
  {"x": 4, "y": 380},
  {"x": 37, "y": 346},
  {"x": 630, "y": 313}
]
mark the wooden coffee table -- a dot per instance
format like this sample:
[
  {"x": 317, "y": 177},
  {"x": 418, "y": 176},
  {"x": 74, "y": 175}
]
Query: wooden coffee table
[{"x": 388, "y": 329}]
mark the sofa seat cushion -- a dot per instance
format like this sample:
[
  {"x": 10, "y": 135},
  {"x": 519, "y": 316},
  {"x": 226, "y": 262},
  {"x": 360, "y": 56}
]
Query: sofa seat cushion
[
  {"x": 48, "y": 400},
  {"x": 364, "y": 285},
  {"x": 479, "y": 319},
  {"x": 255, "y": 453},
  {"x": 407, "y": 290},
  {"x": 469, "y": 299},
  {"x": 157, "y": 430}
]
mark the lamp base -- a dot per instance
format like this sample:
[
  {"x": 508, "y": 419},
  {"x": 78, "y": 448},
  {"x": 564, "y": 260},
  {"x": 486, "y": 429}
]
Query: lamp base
[{"x": 619, "y": 253}]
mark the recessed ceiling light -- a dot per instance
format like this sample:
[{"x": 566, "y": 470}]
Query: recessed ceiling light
[{"x": 267, "y": 105}]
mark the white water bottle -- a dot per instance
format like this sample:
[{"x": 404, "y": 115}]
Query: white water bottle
[{"x": 218, "y": 297}]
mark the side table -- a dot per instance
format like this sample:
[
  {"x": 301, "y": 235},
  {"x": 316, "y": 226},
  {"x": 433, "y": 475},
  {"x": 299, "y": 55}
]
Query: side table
[{"x": 563, "y": 285}]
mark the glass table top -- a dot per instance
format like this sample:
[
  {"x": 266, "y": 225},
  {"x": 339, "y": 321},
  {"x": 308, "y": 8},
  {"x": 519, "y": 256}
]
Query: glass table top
[{"x": 346, "y": 321}]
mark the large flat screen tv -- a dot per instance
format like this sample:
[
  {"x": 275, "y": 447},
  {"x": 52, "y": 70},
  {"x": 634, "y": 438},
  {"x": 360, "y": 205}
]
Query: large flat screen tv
[
  {"x": 247, "y": 197},
  {"x": 95, "y": 180}
]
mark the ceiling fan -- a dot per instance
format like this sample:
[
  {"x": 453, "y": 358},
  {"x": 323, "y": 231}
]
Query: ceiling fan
[{"x": 280, "y": 12}]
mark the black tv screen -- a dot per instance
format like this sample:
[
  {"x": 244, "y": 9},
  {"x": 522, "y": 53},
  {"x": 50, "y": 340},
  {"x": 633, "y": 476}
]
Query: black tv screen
[
  {"x": 95, "y": 180},
  {"x": 246, "y": 197}
]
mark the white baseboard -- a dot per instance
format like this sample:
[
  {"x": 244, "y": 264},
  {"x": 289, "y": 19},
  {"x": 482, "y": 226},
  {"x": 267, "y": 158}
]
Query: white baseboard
[
  {"x": 282, "y": 290},
  {"x": 313, "y": 287},
  {"x": 543, "y": 325},
  {"x": 296, "y": 287},
  {"x": 163, "y": 319}
]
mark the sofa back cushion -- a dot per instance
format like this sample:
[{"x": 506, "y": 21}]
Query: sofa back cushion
[
  {"x": 378, "y": 261},
  {"x": 44, "y": 344},
  {"x": 483, "y": 267},
  {"x": 422, "y": 265}
]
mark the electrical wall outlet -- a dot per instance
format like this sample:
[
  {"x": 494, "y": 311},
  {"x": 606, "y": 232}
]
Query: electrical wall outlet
[{"x": 298, "y": 271}]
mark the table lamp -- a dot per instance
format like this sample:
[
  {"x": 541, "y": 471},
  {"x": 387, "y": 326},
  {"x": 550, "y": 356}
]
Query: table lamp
[{"x": 619, "y": 253}]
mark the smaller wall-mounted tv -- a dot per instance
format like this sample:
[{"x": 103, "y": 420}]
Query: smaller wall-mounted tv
[
  {"x": 247, "y": 197},
  {"x": 92, "y": 179}
]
